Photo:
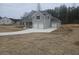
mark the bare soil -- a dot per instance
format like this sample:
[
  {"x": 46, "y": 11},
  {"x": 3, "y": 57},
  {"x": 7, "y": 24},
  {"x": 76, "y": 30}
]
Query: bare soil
[{"x": 64, "y": 41}]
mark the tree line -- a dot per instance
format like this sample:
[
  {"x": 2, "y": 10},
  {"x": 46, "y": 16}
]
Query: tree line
[{"x": 66, "y": 14}]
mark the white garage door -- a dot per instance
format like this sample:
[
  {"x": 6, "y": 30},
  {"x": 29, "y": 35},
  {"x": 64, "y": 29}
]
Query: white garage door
[{"x": 38, "y": 25}]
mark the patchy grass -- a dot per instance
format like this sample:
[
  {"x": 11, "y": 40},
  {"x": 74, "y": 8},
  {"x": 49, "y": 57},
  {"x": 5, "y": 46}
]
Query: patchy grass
[
  {"x": 9, "y": 28},
  {"x": 65, "y": 40}
]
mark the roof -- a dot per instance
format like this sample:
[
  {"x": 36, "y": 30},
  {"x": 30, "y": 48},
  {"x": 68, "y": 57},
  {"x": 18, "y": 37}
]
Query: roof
[
  {"x": 44, "y": 13},
  {"x": 15, "y": 20},
  {"x": 54, "y": 19},
  {"x": 3, "y": 18},
  {"x": 28, "y": 17}
]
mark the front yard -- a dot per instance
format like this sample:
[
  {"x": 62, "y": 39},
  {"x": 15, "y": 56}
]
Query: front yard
[
  {"x": 9, "y": 28},
  {"x": 62, "y": 41}
]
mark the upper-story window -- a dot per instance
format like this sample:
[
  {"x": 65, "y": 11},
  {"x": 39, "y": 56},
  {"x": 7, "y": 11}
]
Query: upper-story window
[{"x": 37, "y": 17}]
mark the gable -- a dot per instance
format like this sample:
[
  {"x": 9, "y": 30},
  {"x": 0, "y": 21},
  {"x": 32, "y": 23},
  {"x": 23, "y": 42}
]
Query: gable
[{"x": 37, "y": 14}]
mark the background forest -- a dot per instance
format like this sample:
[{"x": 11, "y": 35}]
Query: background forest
[{"x": 66, "y": 14}]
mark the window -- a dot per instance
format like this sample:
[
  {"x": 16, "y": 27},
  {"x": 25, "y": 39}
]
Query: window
[{"x": 38, "y": 17}]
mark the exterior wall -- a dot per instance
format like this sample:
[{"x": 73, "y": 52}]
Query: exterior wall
[
  {"x": 56, "y": 24},
  {"x": 38, "y": 23},
  {"x": 47, "y": 21}
]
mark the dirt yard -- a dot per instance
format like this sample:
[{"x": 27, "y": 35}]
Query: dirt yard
[
  {"x": 9, "y": 28},
  {"x": 64, "y": 41}
]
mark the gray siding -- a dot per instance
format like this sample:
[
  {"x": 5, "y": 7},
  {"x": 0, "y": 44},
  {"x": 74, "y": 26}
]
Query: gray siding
[{"x": 43, "y": 22}]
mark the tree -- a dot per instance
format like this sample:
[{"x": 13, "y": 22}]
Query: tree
[{"x": 63, "y": 13}]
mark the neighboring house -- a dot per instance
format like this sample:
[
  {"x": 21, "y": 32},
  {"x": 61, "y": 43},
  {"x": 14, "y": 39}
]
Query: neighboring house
[
  {"x": 6, "y": 20},
  {"x": 16, "y": 21},
  {"x": 40, "y": 20}
]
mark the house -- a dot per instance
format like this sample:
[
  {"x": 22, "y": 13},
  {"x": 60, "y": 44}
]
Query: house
[
  {"x": 5, "y": 20},
  {"x": 40, "y": 20},
  {"x": 44, "y": 20},
  {"x": 16, "y": 21}
]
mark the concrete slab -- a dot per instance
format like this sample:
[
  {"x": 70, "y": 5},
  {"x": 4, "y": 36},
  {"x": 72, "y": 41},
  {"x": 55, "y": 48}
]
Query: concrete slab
[{"x": 27, "y": 31}]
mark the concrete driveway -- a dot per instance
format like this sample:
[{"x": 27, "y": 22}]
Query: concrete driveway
[{"x": 27, "y": 31}]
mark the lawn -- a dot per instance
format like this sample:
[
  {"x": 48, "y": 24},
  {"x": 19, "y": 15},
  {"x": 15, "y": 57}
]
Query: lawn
[
  {"x": 65, "y": 40},
  {"x": 9, "y": 28}
]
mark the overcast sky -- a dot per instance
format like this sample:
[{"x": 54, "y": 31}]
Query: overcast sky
[{"x": 17, "y": 10}]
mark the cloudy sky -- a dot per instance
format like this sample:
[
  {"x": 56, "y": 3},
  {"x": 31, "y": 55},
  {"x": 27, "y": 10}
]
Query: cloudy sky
[{"x": 17, "y": 10}]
